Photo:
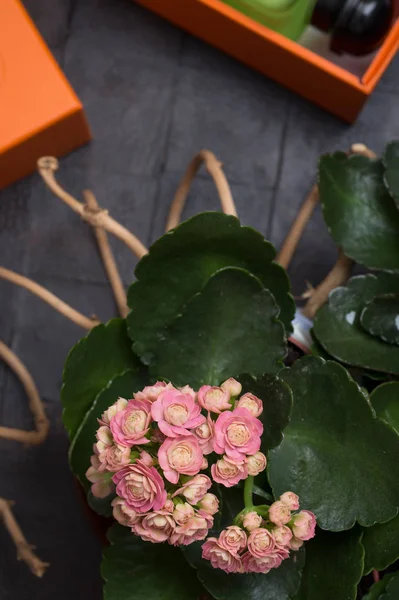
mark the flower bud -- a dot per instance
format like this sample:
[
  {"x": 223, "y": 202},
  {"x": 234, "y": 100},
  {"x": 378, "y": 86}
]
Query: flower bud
[
  {"x": 214, "y": 399},
  {"x": 209, "y": 504},
  {"x": 204, "y": 464},
  {"x": 295, "y": 543},
  {"x": 169, "y": 506},
  {"x": 252, "y": 520},
  {"x": 282, "y": 535},
  {"x": 279, "y": 513},
  {"x": 107, "y": 415},
  {"x": 183, "y": 513},
  {"x": 232, "y": 387},
  {"x": 252, "y": 403},
  {"x": 256, "y": 463},
  {"x": 195, "y": 488},
  {"x": 304, "y": 525},
  {"x": 291, "y": 500}
]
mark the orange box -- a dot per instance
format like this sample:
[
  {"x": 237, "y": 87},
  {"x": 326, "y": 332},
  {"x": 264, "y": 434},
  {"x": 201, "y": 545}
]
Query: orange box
[
  {"x": 296, "y": 67},
  {"x": 39, "y": 112}
]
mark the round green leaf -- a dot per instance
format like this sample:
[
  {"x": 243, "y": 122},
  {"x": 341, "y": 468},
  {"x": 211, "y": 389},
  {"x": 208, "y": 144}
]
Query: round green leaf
[
  {"x": 360, "y": 214},
  {"x": 391, "y": 175},
  {"x": 137, "y": 570},
  {"x": 278, "y": 584},
  {"x": 381, "y": 545},
  {"x": 180, "y": 263},
  {"x": 377, "y": 589},
  {"x": 338, "y": 330},
  {"x": 81, "y": 447},
  {"x": 333, "y": 567},
  {"x": 228, "y": 328},
  {"x": 380, "y": 317},
  {"x": 336, "y": 454},
  {"x": 385, "y": 401},
  {"x": 277, "y": 403},
  {"x": 91, "y": 364}
]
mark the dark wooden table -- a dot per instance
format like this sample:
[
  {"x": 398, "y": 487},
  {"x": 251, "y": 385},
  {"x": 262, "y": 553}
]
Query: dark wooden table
[{"x": 154, "y": 96}]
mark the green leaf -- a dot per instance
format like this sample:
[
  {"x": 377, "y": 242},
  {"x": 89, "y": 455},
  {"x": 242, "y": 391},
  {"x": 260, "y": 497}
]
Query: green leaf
[
  {"x": 278, "y": 584},
  {"x": 230, "y": 327},
  {"x": 137, "y": 570},
  {"x": 336, "y": 455},
  {"x": 338, "y": 330},
  {"x": 380, "y": 317},
  {"x": 81, "y": 447},
  {"x": 334, "y": 566},
  {"x": 377, "y": 589},
  {"x": 180, "y": 263},
  {"x": 391, "y": 175},
  {"x": 381, "y": 545},
  {"x": 392, "y": 589},
  {"x": 385, "y": 401},
  {"x": 360, "y": 214},
  {"x": 101, "y": 506},
  {"x": 277, "y": 403},
  {"x": 91, "y": 364}
]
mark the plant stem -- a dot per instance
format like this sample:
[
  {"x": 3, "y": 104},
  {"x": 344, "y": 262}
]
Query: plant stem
[{"x": 248, "y": 487}]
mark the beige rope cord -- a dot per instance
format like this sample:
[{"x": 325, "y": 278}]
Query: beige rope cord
[
  {"x": 24, "y": 550},
  {"x": 49, "y": 297},
  {"x": 214, "y": 168},
  {"x": 47, "y": 165},
  {"x": 42, "y": 424},
  {"x": 108, "y": 259}
]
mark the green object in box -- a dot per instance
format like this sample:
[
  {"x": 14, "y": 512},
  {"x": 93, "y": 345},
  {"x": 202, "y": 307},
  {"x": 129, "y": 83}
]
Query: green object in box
[{"x": 288, "y": 17}]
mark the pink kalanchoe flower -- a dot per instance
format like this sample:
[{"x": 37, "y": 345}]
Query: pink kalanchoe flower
[
  {"x": 279, "y": 513},
  {"x": 229, "y": 472},
  {"x": 151, "y": 392},
  {"x": 252, "y": 403},
  {"x": 259, "y": 564},
  {"x": 123, "y": 513},
  {"x": 155, "y": 527},
  {"x": 101, "y": 480},
  {"x": 221, "y": 558},
  {"x": 261, "y": 542},
  {"x": 183, "y": 513},
  {"x": 180, "y": 456},
  {"x": 194, "y": 489},
  {"x": 142, "y": 487},
  {"x": 233, "y": 539},
  {"x": 304, "y": 525},
  {"x": 204, "y": 434},
  {"x": 107, "y": 415},
  {"x": 146, "y": 459},
  {"x": 295, "y": 544},
  {"x": 193, "y": 530},
  {"x": 176, "y": 412},
  {"x": 232, "y": 387},
  {"x": 282, "y": 535},
  {"x": 113, "y": 458},
  {"x": 169, "y": 506},
  {"x": 130, "y": 425},
  {"x": 237, "y": 433},
  {"x": 209, "y": 504},
  {"x": 256, "y": 463},
  {"x": 188, "y": 390},
  {"x": 291, "y": 500},
  {"x": 104, "y": 439},
  {"x": 213, "y": 399},
  {"x": 252, "y": 520}
]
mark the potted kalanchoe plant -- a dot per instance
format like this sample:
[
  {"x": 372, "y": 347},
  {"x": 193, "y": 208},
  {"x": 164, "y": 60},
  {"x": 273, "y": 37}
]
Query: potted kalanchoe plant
[
  {"x": 228, "y": 471},
  {"x": 207, "y": 449}
]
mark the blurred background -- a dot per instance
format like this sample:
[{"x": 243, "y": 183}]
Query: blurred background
[{"x": 153, "y": 96}]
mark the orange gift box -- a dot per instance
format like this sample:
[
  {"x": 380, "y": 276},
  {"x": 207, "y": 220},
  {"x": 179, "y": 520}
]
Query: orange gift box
[
  {"x": 296, "y": 67},
  {"x": 39, "y": 112}
]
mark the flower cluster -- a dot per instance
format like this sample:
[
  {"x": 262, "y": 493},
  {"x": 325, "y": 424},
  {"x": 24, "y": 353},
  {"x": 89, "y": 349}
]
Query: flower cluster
[
  {"x": 261, "y": 543},
  {"x": 150, "y": 451}
]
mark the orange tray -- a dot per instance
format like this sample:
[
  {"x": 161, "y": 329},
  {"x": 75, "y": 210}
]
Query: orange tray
[
  {"x": 296, "y": 67},
  {"x": 39, "y": 112}
]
